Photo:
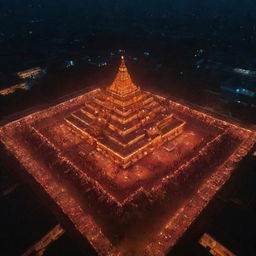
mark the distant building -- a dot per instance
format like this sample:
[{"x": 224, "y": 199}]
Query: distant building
[
  {"x": 12, "y": 89},
  {"x": 121, "y": 51},
  {"x": 69, "y": 63},
  {"x": 36, "y": 72},
  {"x": 215, "y": 248},
  {"x": 102, "y": 64},
  {"x": 28, "y": 76},
  {"x": 240, "y": 89},
  {"x": 245, "y": 72}
]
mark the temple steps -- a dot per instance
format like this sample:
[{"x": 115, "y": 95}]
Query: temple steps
[
  {"x": 84, "y": 117},
  {"x": 123, "y": 106},
  {"x": 123, "y": 117},
  {"x": 77, "y": 123}
]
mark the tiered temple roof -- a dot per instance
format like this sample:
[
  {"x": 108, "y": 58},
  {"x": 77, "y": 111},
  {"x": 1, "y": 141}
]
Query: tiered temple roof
[
  {"x": 122, "y": 85},
  {"x": 125, "y": 122}
]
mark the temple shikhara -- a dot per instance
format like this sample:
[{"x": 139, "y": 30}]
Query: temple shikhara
[{"x": 128, "y": 170}]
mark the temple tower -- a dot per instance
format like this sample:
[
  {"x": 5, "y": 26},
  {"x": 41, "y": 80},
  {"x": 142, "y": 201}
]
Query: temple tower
[
  {"x": 125, "y": 122},
  {"x": 122, "y": 85}
]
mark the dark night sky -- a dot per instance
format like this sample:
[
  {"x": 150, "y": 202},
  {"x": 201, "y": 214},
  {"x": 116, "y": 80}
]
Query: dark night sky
[{"x": 16, "y": 13}]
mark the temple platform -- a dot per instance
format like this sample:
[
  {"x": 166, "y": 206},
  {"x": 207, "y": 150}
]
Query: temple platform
[{"x": 172, "y": 160}]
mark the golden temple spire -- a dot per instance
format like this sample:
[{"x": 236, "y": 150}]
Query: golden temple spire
[{"x": 122, "y": 84}]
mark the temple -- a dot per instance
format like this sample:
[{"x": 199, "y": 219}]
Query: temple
[
  {"x": 125, "y": 122},
  {"x": 125, "y": 169}
]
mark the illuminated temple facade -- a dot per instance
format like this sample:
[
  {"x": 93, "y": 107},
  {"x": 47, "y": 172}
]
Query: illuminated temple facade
[{"x": 124, "y": 122}]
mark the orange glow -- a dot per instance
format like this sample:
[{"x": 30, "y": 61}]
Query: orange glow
[
  {"x": 124, "y": 121},
  {"x": 131, "y": 170}
]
